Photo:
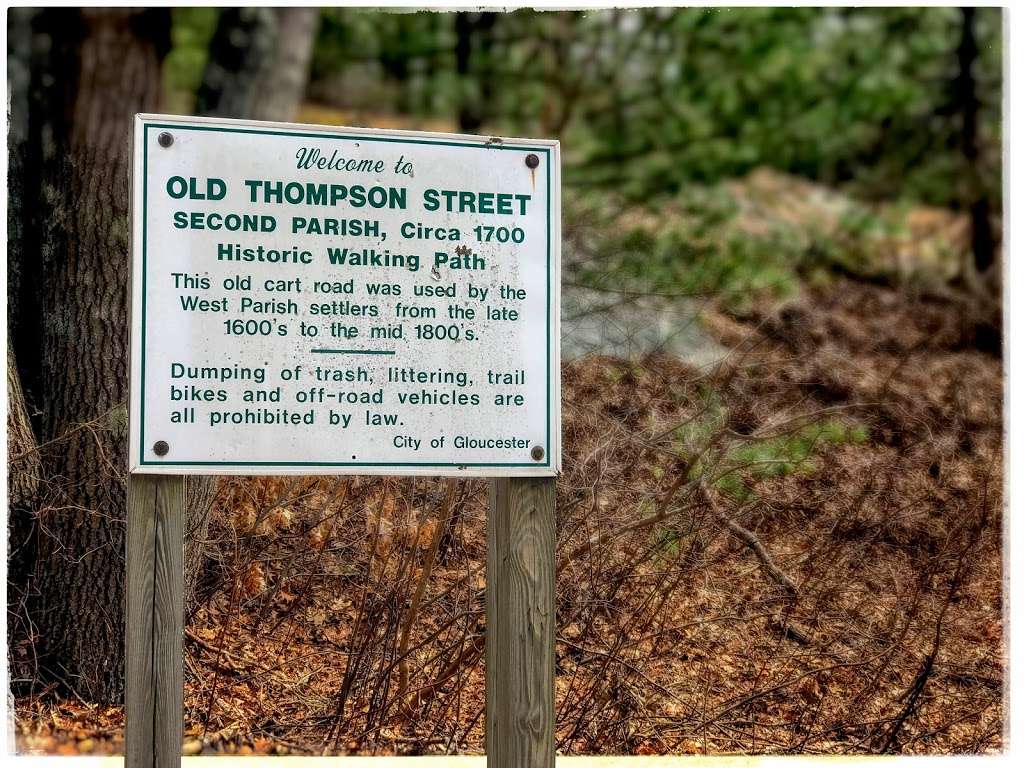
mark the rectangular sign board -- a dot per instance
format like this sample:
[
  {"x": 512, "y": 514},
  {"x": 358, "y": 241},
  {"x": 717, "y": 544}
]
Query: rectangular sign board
[{"x": 323, "y": 300}]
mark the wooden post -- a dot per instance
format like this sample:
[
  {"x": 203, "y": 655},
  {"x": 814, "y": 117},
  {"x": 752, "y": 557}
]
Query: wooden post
[
  {"x": 521, "y": 623},
  {"x": 154, "y": 617}
]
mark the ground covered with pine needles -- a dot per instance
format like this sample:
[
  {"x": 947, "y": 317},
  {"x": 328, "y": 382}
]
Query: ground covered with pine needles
[{"x": 797, "y": 550}]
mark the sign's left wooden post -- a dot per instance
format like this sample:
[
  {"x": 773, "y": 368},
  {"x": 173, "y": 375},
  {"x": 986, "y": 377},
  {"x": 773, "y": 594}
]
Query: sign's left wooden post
[{"x": 154, "y": 618}]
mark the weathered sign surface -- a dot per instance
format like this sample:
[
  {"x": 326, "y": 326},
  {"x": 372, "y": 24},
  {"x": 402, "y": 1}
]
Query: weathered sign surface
[{"x": 320, "y": 300}]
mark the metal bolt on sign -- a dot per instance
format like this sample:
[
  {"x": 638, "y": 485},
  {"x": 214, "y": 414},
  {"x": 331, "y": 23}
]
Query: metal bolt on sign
[
  {"x": 160, "y": 447},
  {"x": 165, "y": 139}
]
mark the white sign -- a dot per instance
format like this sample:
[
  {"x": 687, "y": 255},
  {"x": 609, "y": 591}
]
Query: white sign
[{"x": 321, "y": 300}]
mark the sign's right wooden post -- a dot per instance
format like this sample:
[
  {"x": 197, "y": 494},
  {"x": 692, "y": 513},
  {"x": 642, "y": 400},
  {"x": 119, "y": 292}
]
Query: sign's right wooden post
[{"x": 521, "y": 623}]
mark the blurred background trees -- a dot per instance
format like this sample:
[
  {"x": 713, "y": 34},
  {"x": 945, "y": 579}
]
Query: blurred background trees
[
  {"x": 883, "y": 104},
  {"x": 649, "y": 100}
]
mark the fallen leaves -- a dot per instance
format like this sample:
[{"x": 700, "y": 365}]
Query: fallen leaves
[{"x": 659, "y": 631}]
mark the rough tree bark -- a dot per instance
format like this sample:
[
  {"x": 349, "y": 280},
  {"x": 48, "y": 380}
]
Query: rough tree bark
[
  {"x": 22, "y": 454},
  {"x": 109, "y": 65},
  {"x": 91, "y": 71},
  {"x": 22, "y": 482}
]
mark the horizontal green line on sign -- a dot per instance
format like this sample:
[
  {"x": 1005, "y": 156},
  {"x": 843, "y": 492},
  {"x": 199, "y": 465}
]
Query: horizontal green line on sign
[{"x": 353, "y": 351}]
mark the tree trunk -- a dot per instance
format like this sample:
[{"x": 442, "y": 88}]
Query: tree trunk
[
  {"x": 19, "y": 74},
  {"x": 284, "y": 85},
  {"x": 92, "y": 70},
  {"x": 242, "y": 44},
  {"x": 22, "y": 458},
  {"x": 22, "y": 483},
  {"x": 259, "y": 63},
  {"x": 966, "y": 97},
  {"x": 22, "y": 454},
  {"x": 472, "y": 40},
  {"x": 109, "y": 67}
]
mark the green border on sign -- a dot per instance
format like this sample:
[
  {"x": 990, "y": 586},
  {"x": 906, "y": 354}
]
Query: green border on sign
[{"x": 299, "y": 134}]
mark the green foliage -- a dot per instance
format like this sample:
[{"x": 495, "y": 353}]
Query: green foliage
[
  {"x": 780, "y": 456},
  {"x": 859, "y": 96},
  {"x": 735, "y": 467},
  {"x": 738, "y": 244},
  {"x": 787, "y": 454},
  {"x": 695, "y": 251},
  {"x": 390, "y": 61},
  {"x": 694, "y": 437},
  {"x": 191, "y": 30},
  {"x": 648, "y": 102}
]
